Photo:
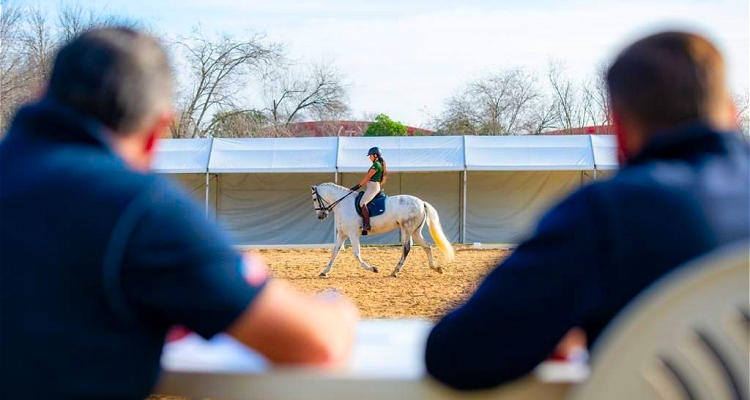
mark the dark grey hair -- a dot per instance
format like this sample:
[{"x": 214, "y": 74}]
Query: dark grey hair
[{"x": 117, "y": 75}]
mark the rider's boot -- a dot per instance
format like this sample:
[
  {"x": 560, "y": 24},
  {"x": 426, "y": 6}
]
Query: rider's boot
[{"x": 365, "y": 220}]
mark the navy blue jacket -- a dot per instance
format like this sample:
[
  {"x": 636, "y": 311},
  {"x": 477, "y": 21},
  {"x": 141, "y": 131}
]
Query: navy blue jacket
[
  {"x": 686, "y": 194},
  {"x": 97, "y": 263}
]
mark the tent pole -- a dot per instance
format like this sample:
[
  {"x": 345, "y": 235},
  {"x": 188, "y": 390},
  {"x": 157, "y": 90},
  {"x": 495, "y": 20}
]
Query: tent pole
[
  {"x": 336, "y": 181},
  {"x": 463, "y": 211},
  {"x": 207, "y": 186}
]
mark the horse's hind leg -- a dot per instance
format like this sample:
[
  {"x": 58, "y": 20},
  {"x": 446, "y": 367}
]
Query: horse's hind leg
[
  {"x": 406, "y": 246},
  {"x": 354, "y": 239},
  {"x": 417, "y": 235},
  {"x": 340, "y": 239}
]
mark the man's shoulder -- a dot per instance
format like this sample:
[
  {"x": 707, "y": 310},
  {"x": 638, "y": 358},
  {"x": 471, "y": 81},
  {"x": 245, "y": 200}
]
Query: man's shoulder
[
  {"x": 106, "y": 169},
  {"x": 117, "y": 179},
  {"x": 107, "y": 178},
  {"x": 662, "y": 177}
]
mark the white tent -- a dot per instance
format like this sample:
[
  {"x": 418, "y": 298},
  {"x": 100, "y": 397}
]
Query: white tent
[
  {"x": 403, "y": 153},
  {"x": 531, "y": 152},
  {"x": 263, "y": 191},
  {"x": 185, "y": 161},
  {"x": 604, "y": 148},
  {"x": 274, "y": 155},
  {"x": 428, "y": 167},
  {"x": 485, "y": 188},
  {"x": 512, "y": 181},
  {"x": 182, "y": 156}
]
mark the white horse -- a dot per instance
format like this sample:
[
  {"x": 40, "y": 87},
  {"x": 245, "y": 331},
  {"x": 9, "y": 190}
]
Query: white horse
[{"x": 406, "y": 212}]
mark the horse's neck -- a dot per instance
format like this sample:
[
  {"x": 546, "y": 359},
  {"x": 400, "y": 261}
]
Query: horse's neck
[{"x": 332, "y": 192}]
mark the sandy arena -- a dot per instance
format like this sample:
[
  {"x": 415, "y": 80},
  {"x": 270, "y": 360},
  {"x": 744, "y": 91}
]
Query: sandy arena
[{"x": 417, "y": 292}]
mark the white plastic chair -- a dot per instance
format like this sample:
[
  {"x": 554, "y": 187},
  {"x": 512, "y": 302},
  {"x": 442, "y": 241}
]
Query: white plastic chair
[{"x": 685, "y": 337}]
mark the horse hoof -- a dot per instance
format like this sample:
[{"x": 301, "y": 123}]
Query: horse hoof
[
  {"x": 393, "y": 275},
  {"x": 439, "y": 270},
  {"x": 323, "y": 275},
  {"x": 375, "y": 269}
]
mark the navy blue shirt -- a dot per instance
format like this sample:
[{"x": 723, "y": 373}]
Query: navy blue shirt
[
  {"x": 684, "y": 195},
  {"x": 97, "y": 263}
]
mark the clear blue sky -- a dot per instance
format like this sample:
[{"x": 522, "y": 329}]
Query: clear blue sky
[{"x": 404, "y": 57}]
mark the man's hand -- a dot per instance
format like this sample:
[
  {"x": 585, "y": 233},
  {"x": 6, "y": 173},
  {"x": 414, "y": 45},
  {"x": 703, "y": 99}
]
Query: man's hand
[
  {"x": 349, "y": 315},
  {"x": 291, "y": 327},
  {"x": 256, "y": 271}
]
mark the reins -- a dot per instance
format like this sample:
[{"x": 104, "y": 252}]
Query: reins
[{"x": 321, "y": 201}]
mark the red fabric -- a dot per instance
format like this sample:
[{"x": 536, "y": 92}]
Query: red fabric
[{"x": 177, "y": 333}]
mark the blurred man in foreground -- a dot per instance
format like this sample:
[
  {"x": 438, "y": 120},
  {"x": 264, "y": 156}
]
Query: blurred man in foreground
[
  {"x": 683, "y": 190},
  {"x": 99, "y": 258}
]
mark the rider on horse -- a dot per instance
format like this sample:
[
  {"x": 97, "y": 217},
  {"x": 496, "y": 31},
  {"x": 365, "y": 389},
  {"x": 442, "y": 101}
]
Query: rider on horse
[{"x": 374, "y": 178}]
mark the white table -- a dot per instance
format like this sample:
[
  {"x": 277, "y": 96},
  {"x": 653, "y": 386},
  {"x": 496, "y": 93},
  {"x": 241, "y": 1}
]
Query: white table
[{"x": 387, "y": 363}]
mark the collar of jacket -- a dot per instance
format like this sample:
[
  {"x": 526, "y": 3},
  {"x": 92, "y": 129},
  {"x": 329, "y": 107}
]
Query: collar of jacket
[
  {"x": 50, "y": 120},
  {"x": 686, "y": 143}
]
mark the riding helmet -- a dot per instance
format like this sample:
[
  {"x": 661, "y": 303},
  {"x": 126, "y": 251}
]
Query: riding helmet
[{"x": 373, "y": 150}]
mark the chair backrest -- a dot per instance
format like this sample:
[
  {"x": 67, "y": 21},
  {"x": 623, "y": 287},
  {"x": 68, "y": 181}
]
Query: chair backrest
[{"x": 686, "y": 337}]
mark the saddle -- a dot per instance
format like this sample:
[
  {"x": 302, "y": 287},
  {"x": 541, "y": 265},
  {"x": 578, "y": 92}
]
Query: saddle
[{"x": 376, "y": 206}]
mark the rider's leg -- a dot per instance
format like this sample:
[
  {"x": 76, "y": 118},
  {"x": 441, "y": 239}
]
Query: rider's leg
[
  {"x": 365, "y": 218},
  {"x": 373, "y": 188}
]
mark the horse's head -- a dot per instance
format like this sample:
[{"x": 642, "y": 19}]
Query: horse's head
[{"x": 320, "y": 207}]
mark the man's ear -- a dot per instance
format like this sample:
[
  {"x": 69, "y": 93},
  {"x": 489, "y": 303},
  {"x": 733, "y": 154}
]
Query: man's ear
[
  {"x": 160, "y": 126},
  {"x": 620, "y": 133},
  {"x": 734, "y": 110}
]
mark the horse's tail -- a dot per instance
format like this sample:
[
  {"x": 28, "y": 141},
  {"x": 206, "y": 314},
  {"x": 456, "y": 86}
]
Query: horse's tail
[{"x": 436, "y": 231}]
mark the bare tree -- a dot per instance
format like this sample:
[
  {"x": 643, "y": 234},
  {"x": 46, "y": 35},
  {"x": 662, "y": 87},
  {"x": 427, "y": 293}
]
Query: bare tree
[
  {"x": 29, "y": 37},
  {"x": 12, "y": 76},
  {"x": 498, "y": 104},
  {"x": 573, "y": 103},
  {"x": 743, "y": 123},
  {"x": 317, "y": 92},
  {"x": 219, "y": 69},
  {"x": 460, "y": 116},
  {"x": 543, "y": 115},
  {"x": 239, "y": 123},
  {"x": 600, "y": 111},
  {"x": 72, "y": 20},
  {"x": 39, "y": 43}
]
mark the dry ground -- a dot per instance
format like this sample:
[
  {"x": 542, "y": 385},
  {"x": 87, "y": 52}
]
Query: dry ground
[{"x": 417, "y": 292}]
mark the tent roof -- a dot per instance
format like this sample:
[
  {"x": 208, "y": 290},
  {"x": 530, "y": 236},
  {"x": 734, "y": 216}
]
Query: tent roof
[
  {"x": 403, "y": 153},
  {"x": 528, "y": 152},
  {"x": 274, "y": 155},
  {"x": 605, "y": 151},
  {"x": 175, "y": 156}
]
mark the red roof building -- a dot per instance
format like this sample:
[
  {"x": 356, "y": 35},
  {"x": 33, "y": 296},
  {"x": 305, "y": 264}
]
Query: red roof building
[
  {"x": 358, "y": 128},
  {"x": 586, "y": 130},
  {"x": 339, "y": 128}
]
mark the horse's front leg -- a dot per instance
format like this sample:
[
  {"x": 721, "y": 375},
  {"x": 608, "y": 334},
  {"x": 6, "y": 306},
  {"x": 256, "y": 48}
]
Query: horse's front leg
[
  {"x": 340, "y": 239},
  {"x": 354, "y": 239}
]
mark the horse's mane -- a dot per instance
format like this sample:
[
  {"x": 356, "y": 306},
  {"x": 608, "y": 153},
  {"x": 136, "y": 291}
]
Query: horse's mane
[{"x": 332, "y": 184}]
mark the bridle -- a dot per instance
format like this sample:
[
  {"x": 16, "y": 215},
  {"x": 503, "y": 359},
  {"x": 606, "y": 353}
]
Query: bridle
[{"x": 321, "y": 201}]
